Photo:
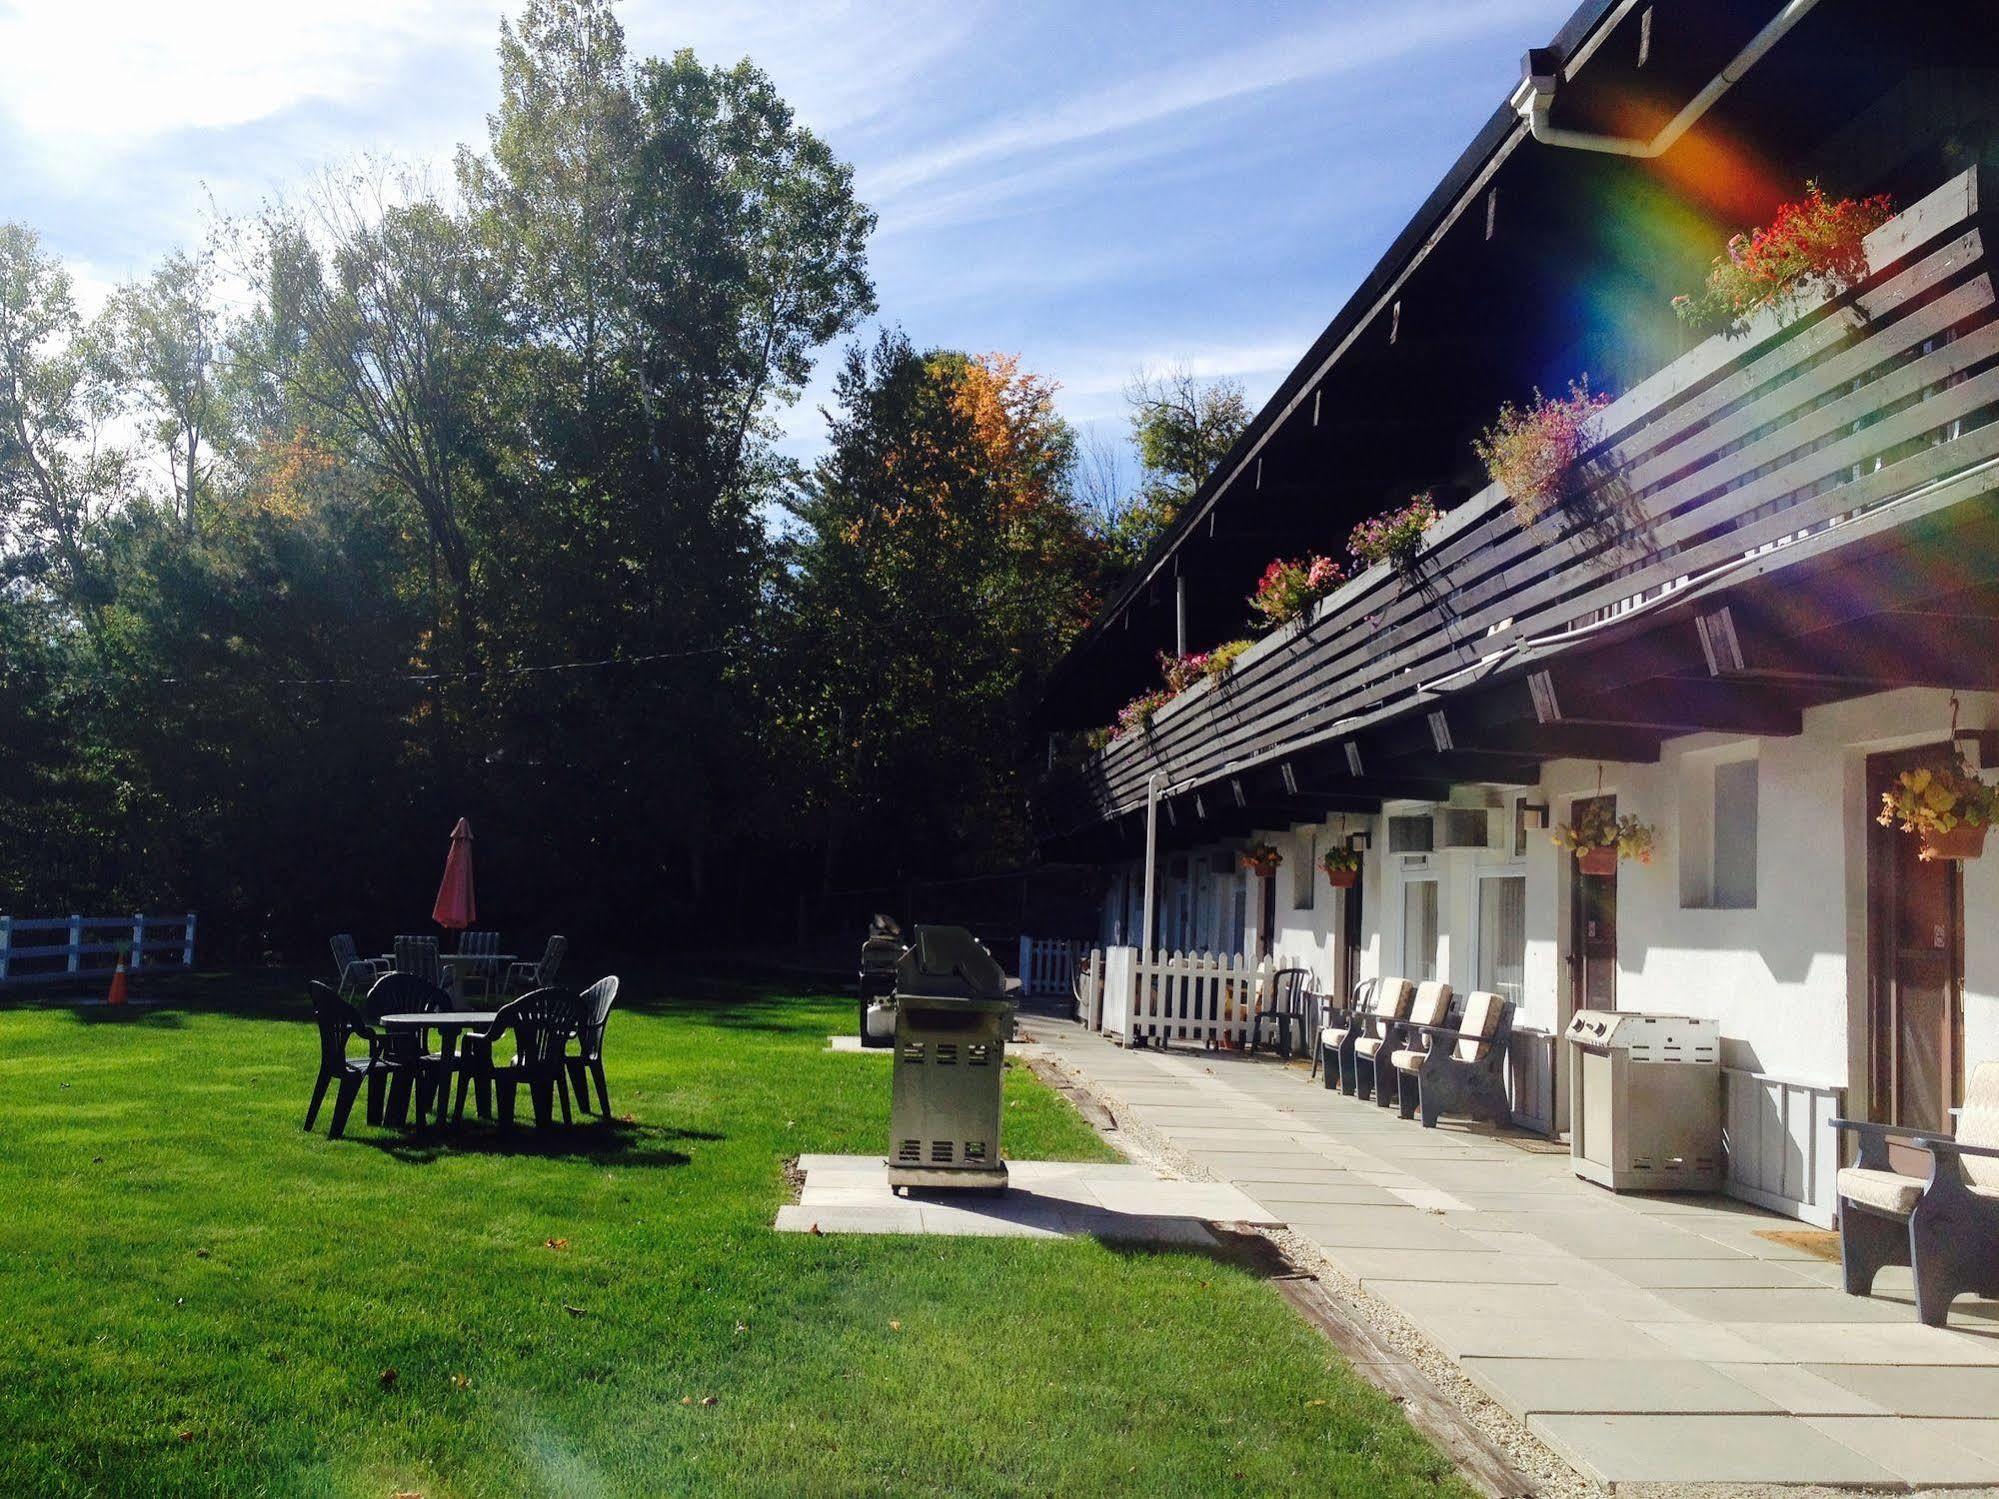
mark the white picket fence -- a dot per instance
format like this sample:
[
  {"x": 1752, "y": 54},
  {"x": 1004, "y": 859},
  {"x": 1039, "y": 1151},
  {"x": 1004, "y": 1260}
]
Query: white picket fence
[
  {"x": 1197, "y": 998},
  {"x": 1048, "y": 966},
  {"x": 60, "y": 948}
]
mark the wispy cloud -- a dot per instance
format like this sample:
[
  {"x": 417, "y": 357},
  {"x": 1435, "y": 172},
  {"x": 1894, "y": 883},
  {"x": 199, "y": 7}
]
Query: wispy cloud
[{"x": 1344, "y": 44}]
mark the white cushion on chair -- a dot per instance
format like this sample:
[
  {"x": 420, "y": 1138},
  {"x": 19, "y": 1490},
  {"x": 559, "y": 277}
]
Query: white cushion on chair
[
  {"x": 1409, "y": 1061},
  {"x": 1884, "y": 1191},
  {"x": 1332, "y": 1036},
  {"x": 1367, "y": 1046},
  {"x": 1482, "y": 1010}
]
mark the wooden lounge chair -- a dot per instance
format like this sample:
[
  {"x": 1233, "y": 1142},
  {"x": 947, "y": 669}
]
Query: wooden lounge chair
[
  {"x": 1458, "y": 1071},
  {"x": 1946, "y": 1229},
  {"x": 1281, "y": 1011},
  {"x": 1390, "y": 997},
  {"x": 1374, "y": 1053},
  {"x": 1377, "y": 1037}
]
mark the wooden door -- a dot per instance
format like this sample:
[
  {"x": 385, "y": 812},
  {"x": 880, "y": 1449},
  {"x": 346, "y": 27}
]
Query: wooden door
[
  {"x": 1592, "y": 928},
  {"x": 1266, "y": 932},
  {"x": 1348, "y": 977},
  {"x": 1915, "y": 923}
]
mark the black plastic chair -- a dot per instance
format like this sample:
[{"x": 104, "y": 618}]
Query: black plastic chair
[
  {"x": 487, "y": 974},
  {"x": 540, "y": 973},
  {"x": 593, "y": 1013},
  {"x": 410, "y": 1066},
  {"x": 339, "y": 1023},
  {"x": 541, "y": 1023},
  {"x": 1282, "y": 1010}
]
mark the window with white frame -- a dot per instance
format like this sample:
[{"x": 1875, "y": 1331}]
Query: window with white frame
[
  {"x": 1304, "y": 871},
  {"x": 1502, "y": 935},
  {"x": 1419, "y": 931}
]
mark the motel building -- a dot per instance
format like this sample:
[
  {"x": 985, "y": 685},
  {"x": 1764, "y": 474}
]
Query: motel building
[{"x": 1764, "y": 585}]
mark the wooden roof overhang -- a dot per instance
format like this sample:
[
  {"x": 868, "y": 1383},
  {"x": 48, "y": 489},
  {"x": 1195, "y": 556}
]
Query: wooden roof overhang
[
  {"x": 1527, "y": 265},
  {"x": 1807, "y": 514}
]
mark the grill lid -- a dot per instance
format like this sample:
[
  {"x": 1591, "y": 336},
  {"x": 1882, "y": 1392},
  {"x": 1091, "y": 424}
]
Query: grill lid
[{"x": 948, "y": 962}]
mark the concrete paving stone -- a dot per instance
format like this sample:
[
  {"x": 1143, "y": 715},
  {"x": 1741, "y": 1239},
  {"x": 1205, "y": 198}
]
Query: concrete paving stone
[
  {"x": 840, "y": 1163},
  {"x": 1424, "y": 1300},
  {"x": 1295, "y": 1197},
  {"x": 1802, "y": 1392},
  {"x": 1324, "y": 1175},
  {"x": 1574, "y": 1335},
  {"x": 1705, "y": 1449},
  {"x": 1375, "y": 1228},
  {"x": 1428, "y": 1198},
  {"x": 1451, "y": 1266},
  {"x": 1612, "y": 1236},
  {"x": 1870, "y": 1343},
  {"x": 876, "y": 1194},
  {"x": 894, "y": 1218},
  {"x": 1740, "y": 1272},
  {"x": 1705, "y": 1341},
  {"x": 1543, "y": 1386},
  {"x": 1914, "y": 1450},
  {"x": 1782, "y": 1304},
  {"x": 958, "y": 1222},
  {"x": 1918, "y": 1390},
  {"x": 1215, "y": 1201}
]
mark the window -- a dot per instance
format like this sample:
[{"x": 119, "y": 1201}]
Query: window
[
  {"x": 1419, "y": 930},
  {"x": 1735, "y": 835},
  {"x": 1305, "y": 872},
  {"x": 1502, "y": 935}
]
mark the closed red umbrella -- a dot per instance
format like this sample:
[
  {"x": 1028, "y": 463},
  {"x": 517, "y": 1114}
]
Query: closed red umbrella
[{"x": 455, "y": 909}]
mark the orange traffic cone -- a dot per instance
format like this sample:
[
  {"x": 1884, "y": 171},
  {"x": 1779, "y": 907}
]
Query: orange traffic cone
[{"x": 117, "y": 994}]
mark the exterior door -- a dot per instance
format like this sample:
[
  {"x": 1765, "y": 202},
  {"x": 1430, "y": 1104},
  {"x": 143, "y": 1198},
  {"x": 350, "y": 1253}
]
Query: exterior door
[
  {"x": 1266, "y": 932},
  {"x": 1348, "y": 977},
  {"x": 1915, "y": 923},
  {"x": 1592, "y": 929}
]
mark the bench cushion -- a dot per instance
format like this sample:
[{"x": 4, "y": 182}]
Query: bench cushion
[
  {"x": 1884, "y": 1191},
  {"x": 1333, "y": 1037},
  {"x": 1409, "y": 1061},
  {"x": 1368, "y": 1046}
]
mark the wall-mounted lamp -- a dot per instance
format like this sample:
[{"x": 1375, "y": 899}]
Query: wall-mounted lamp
[
  {"x": 1534, "y": 815},
  {"x": 1361, "y": 841}
]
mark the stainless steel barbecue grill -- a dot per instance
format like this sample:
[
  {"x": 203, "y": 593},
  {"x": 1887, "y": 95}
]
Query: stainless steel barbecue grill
[
  {"x": 1646, "y": 1093},
  {"x": 953, "y": 1011}
]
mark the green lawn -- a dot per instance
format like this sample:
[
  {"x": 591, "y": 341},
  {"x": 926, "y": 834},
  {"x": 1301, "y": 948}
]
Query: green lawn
[{"x": 197, "y": 1297}]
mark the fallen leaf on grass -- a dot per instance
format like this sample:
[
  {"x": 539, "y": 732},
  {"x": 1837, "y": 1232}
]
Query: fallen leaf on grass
[
  {"x": 686, "y": 1399},
  {"x": 707, "y": 1399},
  {"x": 201, "y": 1254},
  {"x": 187, "y": 1436},
  {"x": 1310, "y": 1403},
  {"x": 818, "y": 1232},
  {"x": 574, "y": 1311},
  {"x": 894, "y": 1326},
  {"x": 461, "y": 1381},
  {"x": 97, "y": 1160},
  {"x": 628, "y": 1119},
  {"x": 388, "y": 1378},
  {"x": 555, "y": 1243},
  {"x": 741, "y": 1328}
]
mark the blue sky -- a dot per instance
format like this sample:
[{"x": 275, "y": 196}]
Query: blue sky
[{"x": 1097, "y": 186}]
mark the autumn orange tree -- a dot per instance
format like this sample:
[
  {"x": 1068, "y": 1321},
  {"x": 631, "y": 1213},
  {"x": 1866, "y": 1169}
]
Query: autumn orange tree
[{"x": 937, "y": 569}]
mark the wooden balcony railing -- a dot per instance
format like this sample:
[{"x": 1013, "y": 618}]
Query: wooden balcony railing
[{"x": 1739, "y": 446}]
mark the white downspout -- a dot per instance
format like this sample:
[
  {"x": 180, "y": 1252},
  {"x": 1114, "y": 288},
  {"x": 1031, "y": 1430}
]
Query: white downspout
[{"x": 1535, "y": 97}]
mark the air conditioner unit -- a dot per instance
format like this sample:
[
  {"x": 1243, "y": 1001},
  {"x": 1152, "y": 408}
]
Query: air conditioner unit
[
  {"x": 1415, "y": 833},
  {"x": 1461, "y": 827}
]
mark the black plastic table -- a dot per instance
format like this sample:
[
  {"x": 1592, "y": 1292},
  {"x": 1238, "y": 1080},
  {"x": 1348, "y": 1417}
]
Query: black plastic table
[{"x": 448, "y": 1023}]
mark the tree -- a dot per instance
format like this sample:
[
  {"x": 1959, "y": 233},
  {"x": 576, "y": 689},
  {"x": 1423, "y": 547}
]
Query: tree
[
  {"x": 1181, "y": 429},
  {"x": 939, "y": 571},
  {"x": 161, "y": 341},
  {"x": 58, "y": 478}
]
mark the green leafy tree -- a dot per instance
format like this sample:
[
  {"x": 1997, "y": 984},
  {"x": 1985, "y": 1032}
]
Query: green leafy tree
[{"x": 1181, "y": 428}]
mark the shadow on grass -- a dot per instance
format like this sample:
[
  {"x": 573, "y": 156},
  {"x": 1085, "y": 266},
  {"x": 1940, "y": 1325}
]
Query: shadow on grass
[
  {"x": 613, "y": 1143},
  {"x": 151, "y": 1016}
]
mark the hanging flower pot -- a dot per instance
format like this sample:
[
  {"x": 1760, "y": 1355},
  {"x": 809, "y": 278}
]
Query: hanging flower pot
[
  {"x": 1962, "y": 842},
  {"x": 1598, "y": 861},
  {"x": 1599, "y": 840},
  {"x": 1262, "y": 858},
  {"x": 1342, "y": 866},
  {"x": 1946, "y": 806}
]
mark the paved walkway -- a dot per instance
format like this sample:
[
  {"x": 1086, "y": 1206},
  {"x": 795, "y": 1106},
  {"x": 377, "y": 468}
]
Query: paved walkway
[{"x": 1647, "y": 1340}]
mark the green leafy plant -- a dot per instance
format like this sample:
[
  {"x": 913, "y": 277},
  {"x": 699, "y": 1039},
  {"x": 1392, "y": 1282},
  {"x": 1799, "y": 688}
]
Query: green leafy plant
[
  {"x": 1532, "y": 451},
  {"x": 1936, "y": 799},
  {"x": 1596, "y": 827},
  {"x": 1262, "y": 858},
  {"x": 1395, "y": 536},
  {"x": 1222, "y": 659},
  {"x": 1815, "y": 246}
]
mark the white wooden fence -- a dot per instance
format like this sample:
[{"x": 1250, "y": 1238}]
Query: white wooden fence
[
  {"x": 60, "y": 948},
  {"x": 1048, "y": 966},
  {"x": 1163, "y": 997}
]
